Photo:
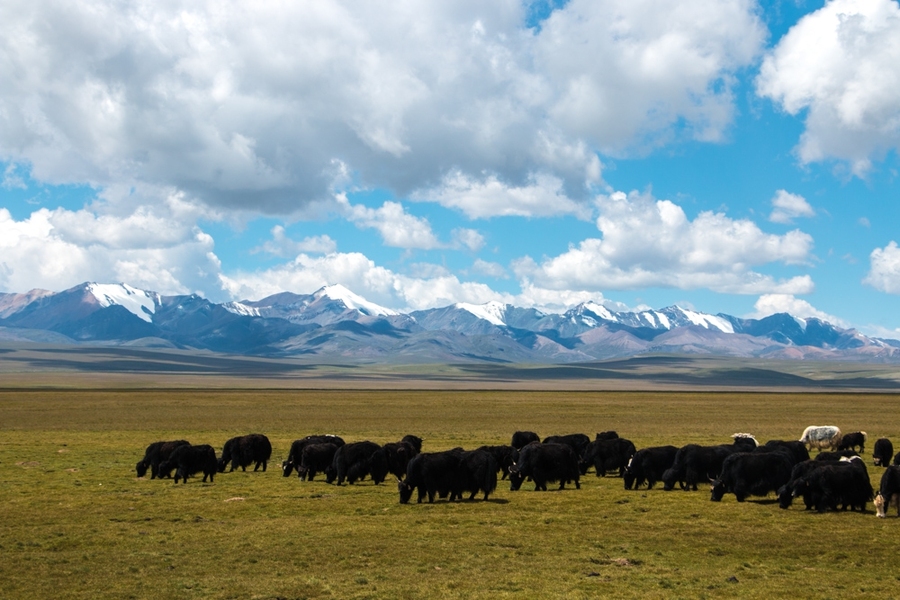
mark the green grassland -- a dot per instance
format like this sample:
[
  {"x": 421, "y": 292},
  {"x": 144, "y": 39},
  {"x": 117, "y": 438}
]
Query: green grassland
[{"x": 77, "y": 523}]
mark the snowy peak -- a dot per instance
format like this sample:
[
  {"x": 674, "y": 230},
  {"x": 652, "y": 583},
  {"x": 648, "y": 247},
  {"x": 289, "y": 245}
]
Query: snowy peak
[
  {"x": 591, "y": 314},
  {"x": 492, "y": 312},
  {"x": 335, "y": 322},
  {"x": 138, "y": 302},
  {"x": 595, "y": 310},
  {"x": 353, "y": 301},
  {"x": 704, "y": 320},
  {"x": 241, "y": 309}
]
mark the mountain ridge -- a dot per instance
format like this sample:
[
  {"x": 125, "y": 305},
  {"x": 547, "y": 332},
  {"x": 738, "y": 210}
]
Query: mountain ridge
[{"x": 334, "y": 323}]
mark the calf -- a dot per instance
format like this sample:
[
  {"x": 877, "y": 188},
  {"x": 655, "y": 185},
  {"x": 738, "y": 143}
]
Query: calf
[
  {"x": 888, "y": 491},
  {"x": 188, "y": 460},
  {"x": 156, "y": 453},
  {"x": 292, "y": 463},
  {"x": 316, "y": 458},
  {"x": 545, "y": 462},
  {"x": 353, "y": 462},
  {"x": 752, "y": 474},
  {"x": 883, "y": 452},
  {"x": 607, "y": 435},
  {"x": 242, "y": 451},
  {"x": 520, "y": 439},
  {"x": 607, "y": 455},
  {"x": 852, "y": 441},
  {"x": 648, "y": 464}
]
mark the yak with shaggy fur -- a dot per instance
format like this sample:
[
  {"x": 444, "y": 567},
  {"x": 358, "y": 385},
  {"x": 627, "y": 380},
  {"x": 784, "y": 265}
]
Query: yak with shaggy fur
[
  {"x": 578, "y": 442},
  {"x": 648, "y": 465},
  {"x": 882, "y": 453},
  {"x": 545, "y": 462},
  {"x": 888, "y": 491},
  {"x": 752, "y": 474},
  {"x": 797, "y": 449},
  {"x": 245, "y": 450},
  {"x": 821, "y": 437},
  {"x": 855, "y": 440},
  {"x": 392, "y": 458},
  {"x": 432, "y": 474},
  {"x": 316, "y": 458},
  {"x": 295, "y": 455},
  {"x": 188, "y": 460},
  {"x": 504, "y": 456},
  {"x": 520, "y": 439},
  {"x": 352, "y": 462},
  {"x": 695, "y": 463},
  {"x": 156, "y": 453},
  {"x": 833, "y": 484},
  {"x": 607, "y": 455}
]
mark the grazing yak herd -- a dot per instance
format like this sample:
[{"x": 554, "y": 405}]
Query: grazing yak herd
[{"x": 837, "y": 478}]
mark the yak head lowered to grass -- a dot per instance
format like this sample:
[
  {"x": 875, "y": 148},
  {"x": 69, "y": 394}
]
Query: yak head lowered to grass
[
  {"x": 717, "y": 488},
  {"x": 406, "y": 490}
]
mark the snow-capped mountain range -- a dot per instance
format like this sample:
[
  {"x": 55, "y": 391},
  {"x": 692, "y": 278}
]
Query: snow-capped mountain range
[{"x": 336, "y": 324}]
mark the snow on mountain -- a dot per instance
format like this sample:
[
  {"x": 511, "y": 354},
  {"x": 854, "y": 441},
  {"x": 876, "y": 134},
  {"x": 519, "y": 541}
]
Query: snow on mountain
[
  {"x": 492, "y": 312},
  {"x": 653, "y": 319},
  {"x": 138, "y": 302},
  {"x": 600, "y": 310},
  {"x": 337, "y": 322},
  {"x": 707, "y": 321},
  {"x": 591, "y": 314},
  {"x": 241, "y": 309},
  {"x": 354, "y": 302}
]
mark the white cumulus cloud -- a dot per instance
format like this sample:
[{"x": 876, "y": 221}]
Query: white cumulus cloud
[
  {"x": 541, "y": 196},
  {"x": 433, "y": 287},
  {"x": 250, "y": 105},
  {"x": 771, "y": 304},
  {"x": 649, "y": 242},
  {"x": 491, "y": 269},
  {"x": 398, "y": 228},
  {"x": 840, "y": 67},
  {"x": 787, "y": 206},
  {"x": 59, "y": 249},
  {"x": 468, "y": 238},
  {"x": 884, "y": 269},
  {"x": 282, "y": 245}
]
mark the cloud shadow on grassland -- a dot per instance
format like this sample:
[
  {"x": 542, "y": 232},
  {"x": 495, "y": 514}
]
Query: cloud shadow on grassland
[{"x": 700, "y": 372}]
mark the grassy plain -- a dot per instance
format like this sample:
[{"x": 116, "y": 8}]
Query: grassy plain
[{"x": 77, "y": 523}]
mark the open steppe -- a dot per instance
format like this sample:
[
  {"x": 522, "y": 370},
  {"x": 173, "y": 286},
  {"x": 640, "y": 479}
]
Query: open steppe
[
  {"x": 79, "y": 524},
  {"x": 44, "y": 366}
]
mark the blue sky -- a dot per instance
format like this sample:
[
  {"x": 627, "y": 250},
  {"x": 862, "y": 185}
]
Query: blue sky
[{"x": 723, "y": 155}]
